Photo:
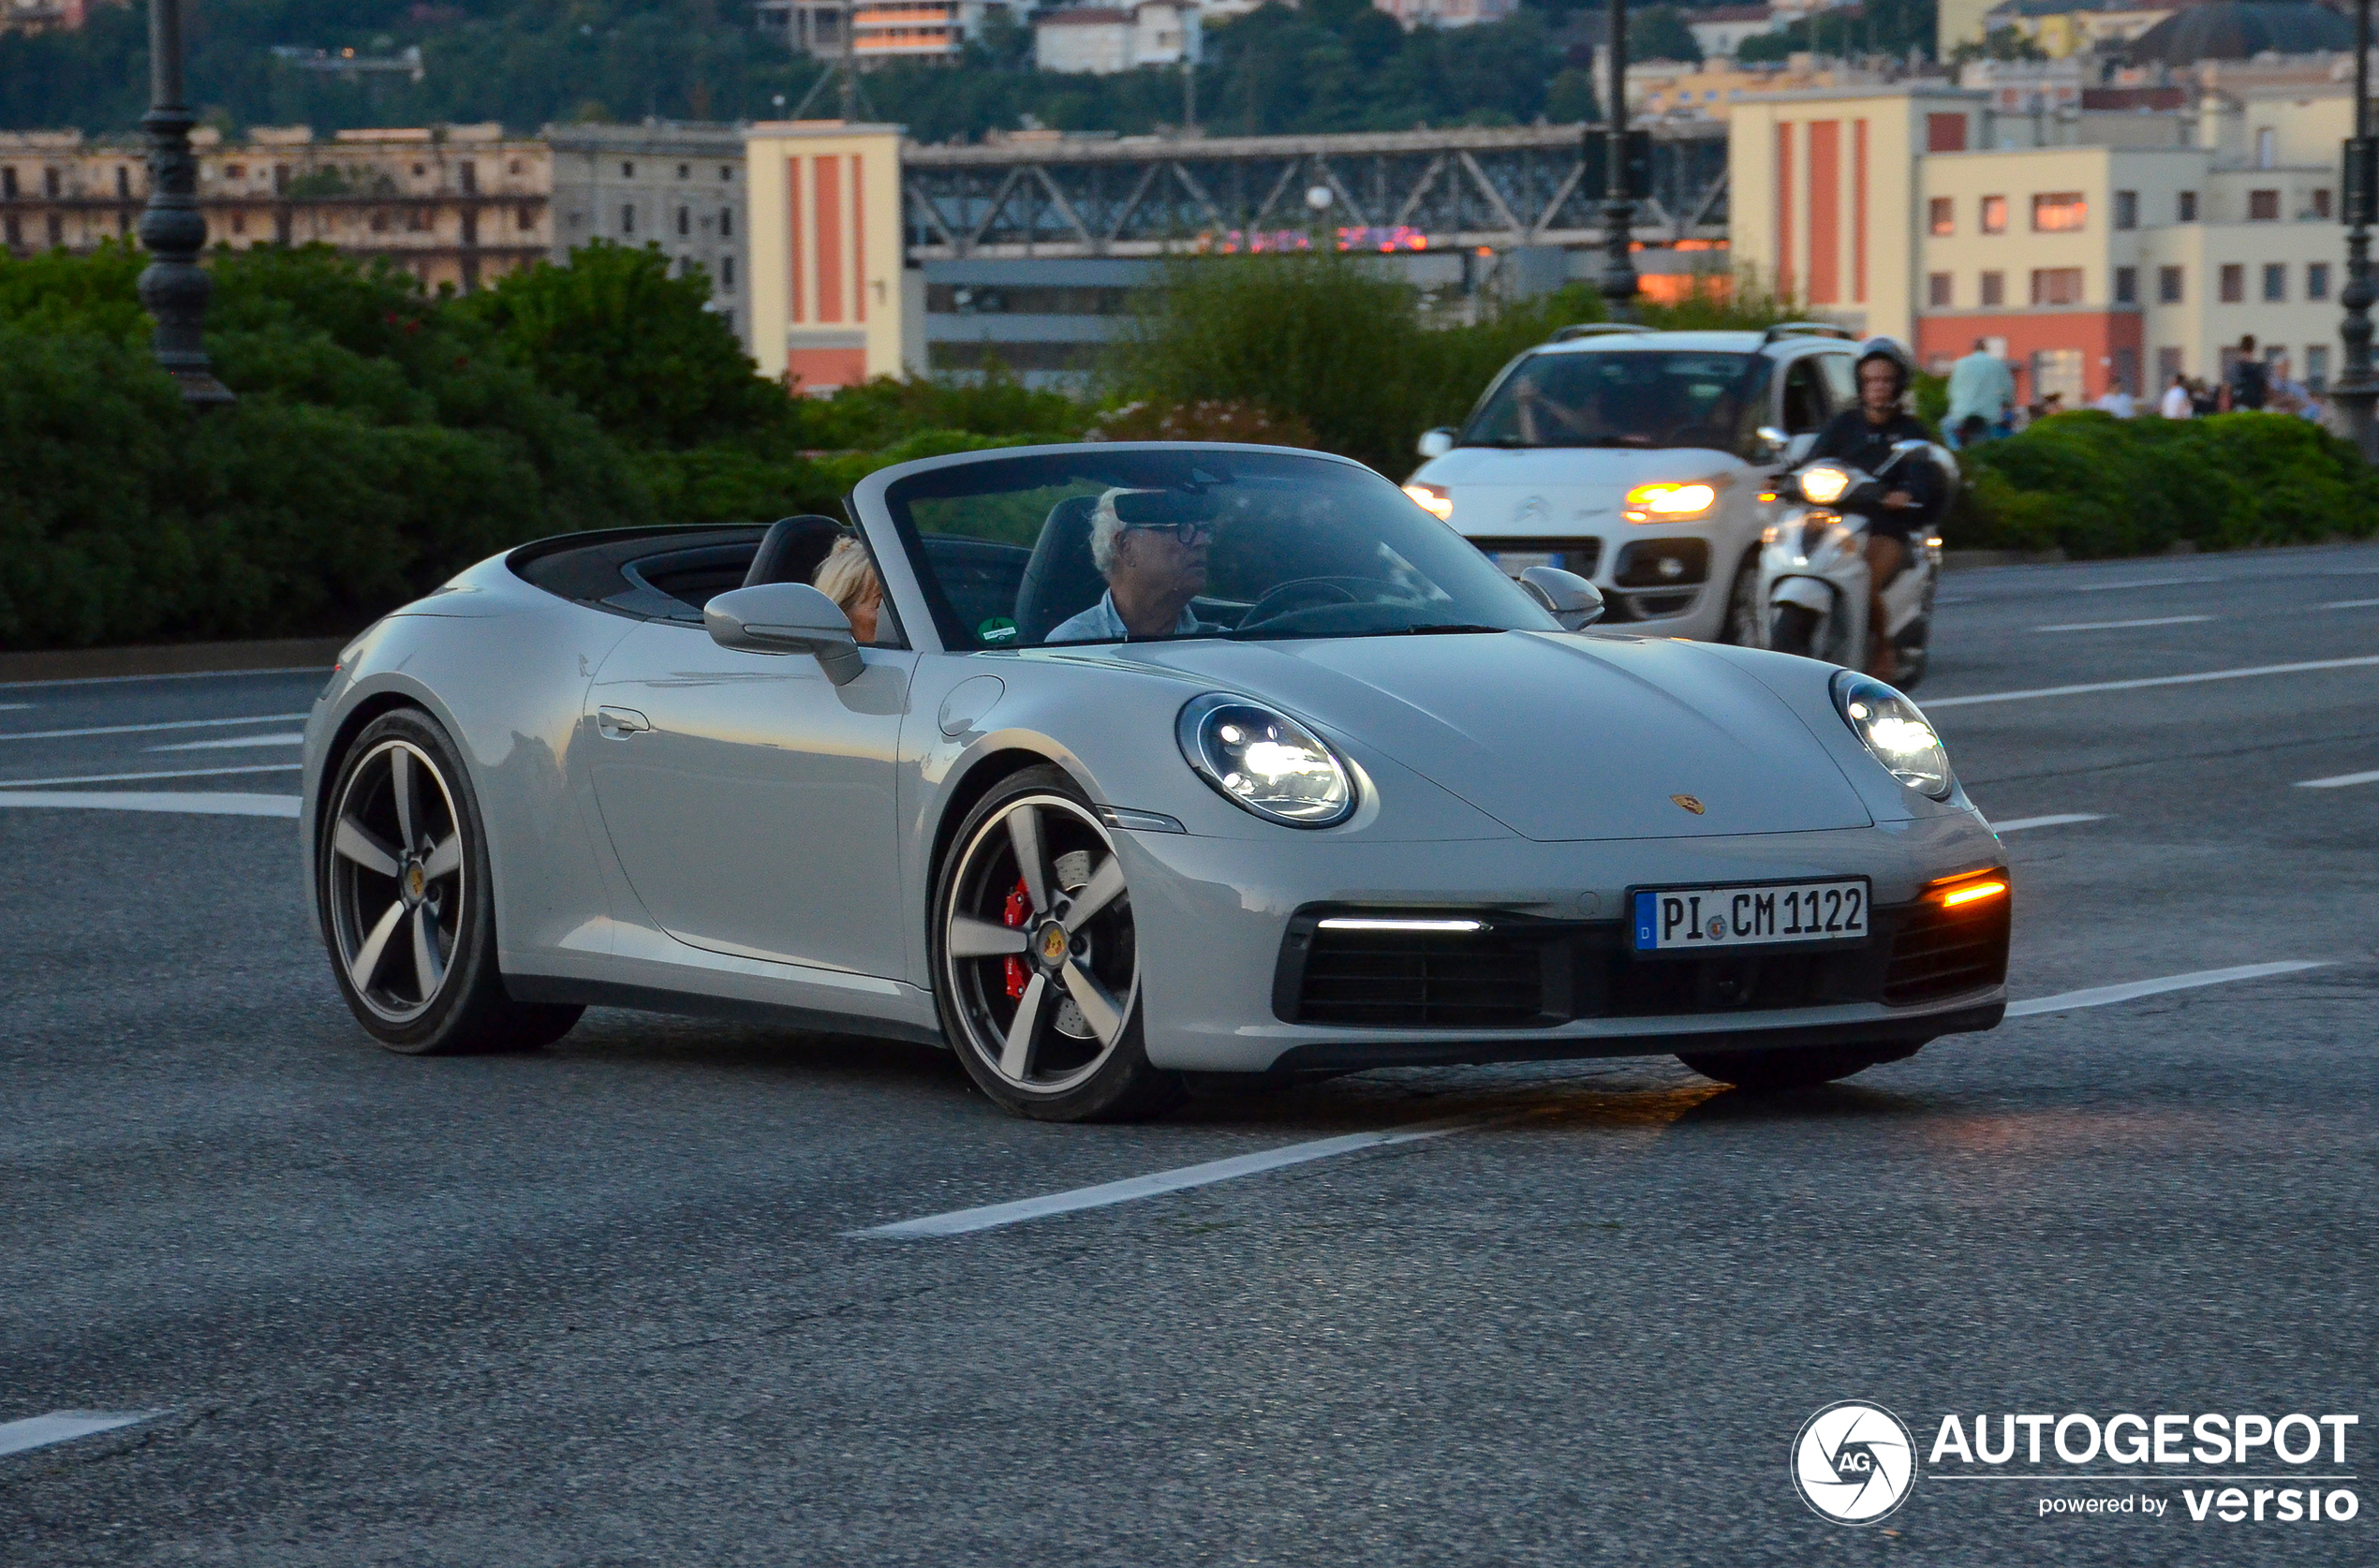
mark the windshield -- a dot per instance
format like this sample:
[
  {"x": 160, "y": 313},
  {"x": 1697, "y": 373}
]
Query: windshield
[
  {"x": 1609, "y": 398},
  {"x": 1092, "y": 546}
]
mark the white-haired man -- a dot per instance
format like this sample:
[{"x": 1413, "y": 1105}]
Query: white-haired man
[{"x": 1152, "y": 551}]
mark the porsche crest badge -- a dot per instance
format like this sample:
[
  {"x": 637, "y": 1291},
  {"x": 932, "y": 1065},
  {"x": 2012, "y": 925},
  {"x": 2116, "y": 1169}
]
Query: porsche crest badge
[{"x": 1689, "y": 802}]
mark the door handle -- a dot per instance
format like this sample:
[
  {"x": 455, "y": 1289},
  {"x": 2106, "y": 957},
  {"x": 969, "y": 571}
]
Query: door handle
[{"x": 620, "y": 723}]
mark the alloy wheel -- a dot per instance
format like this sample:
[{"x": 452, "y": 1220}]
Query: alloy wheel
[
  {"x": 1040, "y": 952},
  {"x": 394, "y": 885}
]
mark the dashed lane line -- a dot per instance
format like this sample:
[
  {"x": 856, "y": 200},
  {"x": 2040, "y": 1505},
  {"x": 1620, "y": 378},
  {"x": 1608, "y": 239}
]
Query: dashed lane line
[
  {"x": 288, "y": 737},
  {"x": 65, "y": 1425},
  {"x": 153, "y": 772},
  {"x": 2301, "y": 667},
  {"x": 2140, "y": 583},
  {"x": 148, "y": 728},
  {"x": 2124, "y": 626},
  {"x": 2338, "y": 782},
  {"x": 965, "y": 1222},
  {"x": 2351, "y": 605},
  {"x": 2102, "y": 996},
  {"x": 198, "y": 801},
  {"x": 2061, "y": 819}
]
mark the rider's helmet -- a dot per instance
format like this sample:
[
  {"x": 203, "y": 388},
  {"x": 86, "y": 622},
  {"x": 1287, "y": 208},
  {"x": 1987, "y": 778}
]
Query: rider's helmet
[{"x": 1894, "y": 353}]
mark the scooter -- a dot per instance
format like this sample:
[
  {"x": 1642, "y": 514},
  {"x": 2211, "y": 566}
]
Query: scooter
[{"x": 1814, "y": 581}]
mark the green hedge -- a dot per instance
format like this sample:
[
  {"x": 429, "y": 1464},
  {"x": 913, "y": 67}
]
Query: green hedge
[{"x": 2092, "y": 485}]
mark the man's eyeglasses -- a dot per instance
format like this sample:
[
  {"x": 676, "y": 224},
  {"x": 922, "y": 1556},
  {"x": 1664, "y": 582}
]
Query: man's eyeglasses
[{"x": 1188, "y": 533}]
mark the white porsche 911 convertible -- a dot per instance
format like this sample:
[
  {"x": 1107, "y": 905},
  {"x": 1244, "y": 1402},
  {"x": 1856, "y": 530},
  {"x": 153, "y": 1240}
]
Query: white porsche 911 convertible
[{"x": 1143, "y": 761}]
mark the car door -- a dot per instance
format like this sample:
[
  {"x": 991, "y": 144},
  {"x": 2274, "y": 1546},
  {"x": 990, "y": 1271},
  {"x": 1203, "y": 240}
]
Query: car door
[{"x": 750, "y": 800}]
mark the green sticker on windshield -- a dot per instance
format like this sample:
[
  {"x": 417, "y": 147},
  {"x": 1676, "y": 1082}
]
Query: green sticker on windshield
[{"x": 999, "y": 628}]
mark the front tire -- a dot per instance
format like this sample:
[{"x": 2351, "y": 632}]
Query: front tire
[
  {"x": 401, "y": 871},
  {"x": 1806, "y": 1067},
  {"x": 1742, "y": 625},
  {"x": 1037, "y": 958},
  {"x": 1792, "y": 630}
]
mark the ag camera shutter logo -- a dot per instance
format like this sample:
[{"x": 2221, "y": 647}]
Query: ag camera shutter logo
[{"x": 1854, "y": 1463}]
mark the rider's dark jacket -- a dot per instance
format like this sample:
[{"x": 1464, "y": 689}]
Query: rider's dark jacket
[{"x": 1854, "y": 440}]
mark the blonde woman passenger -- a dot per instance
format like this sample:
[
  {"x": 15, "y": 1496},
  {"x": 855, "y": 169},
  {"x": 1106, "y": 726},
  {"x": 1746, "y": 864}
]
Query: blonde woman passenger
[{"x": 849, "y": 578}]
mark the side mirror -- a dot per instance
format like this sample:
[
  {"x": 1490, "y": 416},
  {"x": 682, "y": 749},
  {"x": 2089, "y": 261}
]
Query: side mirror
[
  {"x": 1435, "y": 443},
  {"x": 1772, "y": 442},
  {"x": 785, "y": 618},
  {"x": 1575, "y": 602}
]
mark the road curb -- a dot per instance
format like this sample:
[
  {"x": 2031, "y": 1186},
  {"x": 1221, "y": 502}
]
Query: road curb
[{"x": 176, "y": 659}]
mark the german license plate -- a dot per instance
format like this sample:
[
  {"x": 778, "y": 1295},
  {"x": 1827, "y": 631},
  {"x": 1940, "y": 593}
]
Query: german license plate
[{"x": 1675, "y": 918}]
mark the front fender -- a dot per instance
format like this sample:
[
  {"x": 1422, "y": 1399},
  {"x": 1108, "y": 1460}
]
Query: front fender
[{"x": 1813, "y": 593}]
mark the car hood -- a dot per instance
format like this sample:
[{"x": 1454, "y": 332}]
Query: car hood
[{"x": 1557, "y": 736}]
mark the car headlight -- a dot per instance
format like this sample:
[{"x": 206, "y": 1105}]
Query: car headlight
[
  {"x": 1265, "y": 763},
  {"x": 1825, "y": 483},
  {"x": 1668, "y": 503},
  {"x": 1891, "y": 727},
  {"x": 1435, "y": 499}
]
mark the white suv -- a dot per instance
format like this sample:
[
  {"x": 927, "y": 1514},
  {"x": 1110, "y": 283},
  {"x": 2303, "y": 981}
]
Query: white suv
[{"x": 1640, "y": 459}]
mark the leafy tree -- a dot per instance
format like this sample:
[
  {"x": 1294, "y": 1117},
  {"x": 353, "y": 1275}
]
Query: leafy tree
[{"x": 1660, "y": 33}]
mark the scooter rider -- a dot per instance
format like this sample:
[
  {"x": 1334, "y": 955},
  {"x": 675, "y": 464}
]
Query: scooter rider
[{"x": 1863, "y": 438}]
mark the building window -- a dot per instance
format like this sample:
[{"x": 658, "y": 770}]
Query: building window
[
  {"x": 725, "y": 171},
  {"x": 14, "y": 234},
  {"x": 2056, "y": 286},
  {"x": 627, "y": 171},
  {"x": 123, "y": 184},
  {"x": 2234, "y": 284},
  {"x": 50, "y": 184},
  {"x": 727, "y": 223},
  {"x": 2267, "y": 147},
  {"x": 2168, "y": 286},
  {"x": 2127, "y": 286},
  {"x": 1944, "y": 133},
  {"x": 57, "y": 229},
  {"x": 1994, "y": 214},
  {"x": 526, "y": 217},
  {"x": 380, "y": 223},
  {"x": 1944, "y": 210},
  {"x": 2185, "y": 207},
  {"x": 2275, "y": 282},
  {"x": 1994, "y": 290},
  {"x": 2057, "y": 372},
  {"x": 2317, "y": 366},
  {"x": 239, "y": 223},
  {"x": 2318, "y": 280},
  {"x": 728, "y": 317},
  {"x": 2167, "y": 365},
  {"x": 513, "y": 167},
  {"x": 684, "y": 220},
  {"x": 2126, "y": 209},
  {"x": 628, "y": 218},
  {"x": 685, "y": 172},
  {"x": 2263, "y": 206},
  {"x": 1937, "y": 291},
  {"x": 468, "y": 172},
  {"x": 727, "y": 274},
  {"x": 7, "y": 184},
  {"x": 236, "y": 171},
  {"x": 2058, "y": 212}
]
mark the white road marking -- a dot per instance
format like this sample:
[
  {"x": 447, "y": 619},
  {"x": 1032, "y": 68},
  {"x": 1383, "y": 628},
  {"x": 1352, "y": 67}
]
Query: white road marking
[
  {"x": 2020, "y": 824},
  {"x": 2141, "y": 583},
  {"x": 11, "y": 707},
  {"x": 199, "y": 802},
  {"x": 990, "y": 1216},
  {"x": 179, "y": 675},
  {"x": 1932, "y": 702},
  {"x": 2123, "y": 626},
  {"x": 2104, "y": 996},
  {"x": 2351, "y": 605},
  {"x": 290, "y": 737},
  {"x": 2338, "y": 782},
  {"x": 171, "y": 773},
  {"x": 65, "y": 1425},
  {"x": 145, "y": 729}
]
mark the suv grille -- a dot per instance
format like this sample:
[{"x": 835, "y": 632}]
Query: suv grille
[{"x": 1580, "y": 555}]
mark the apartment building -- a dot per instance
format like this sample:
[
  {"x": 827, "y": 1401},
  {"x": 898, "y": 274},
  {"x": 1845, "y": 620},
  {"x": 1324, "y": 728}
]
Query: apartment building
[
  {"x": 2129, "y": 248},
  {"x": 676, "y": 187},
  {"x": 878, "y": 29},
  {"x": 454, "y": 205},
  {"x": 1106, "y": 39},
  {"x": 831, "y": 302}
]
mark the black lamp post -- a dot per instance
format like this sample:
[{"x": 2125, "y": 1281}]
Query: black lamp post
[
  {"x": 2356, "y": 388},
  {"x": 1618, "y": 283},
  {"x": 173, "y": 285}
]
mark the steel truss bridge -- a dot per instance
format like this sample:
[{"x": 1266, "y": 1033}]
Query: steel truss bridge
[{"x": 1400, "y": 190}]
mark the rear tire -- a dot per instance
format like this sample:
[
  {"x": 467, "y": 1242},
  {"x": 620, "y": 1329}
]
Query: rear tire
[
  {"x": 401, "y": 866},
  {"x": 1767, "y": 1071},
  {"x": 1792, "y": 630}
]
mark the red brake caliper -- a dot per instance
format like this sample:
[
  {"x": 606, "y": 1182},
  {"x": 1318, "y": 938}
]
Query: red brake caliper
[{"x": 1018, "y": 910}]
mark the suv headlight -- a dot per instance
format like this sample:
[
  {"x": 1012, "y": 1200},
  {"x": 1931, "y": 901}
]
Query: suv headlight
[
  {"x": 1669, "y": 503},
  {"x": 1265, "y": 763},
  {"x": 1891, "y": 727},
  {"x": 1824, "y": 484},
  {"x": 1435, "y": 499}
]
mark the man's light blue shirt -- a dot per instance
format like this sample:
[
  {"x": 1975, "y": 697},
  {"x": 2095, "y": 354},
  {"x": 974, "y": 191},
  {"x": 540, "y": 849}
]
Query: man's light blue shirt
[
  {"x": 1979, "y": 384},
  {"x": 1103, "y": 623}
]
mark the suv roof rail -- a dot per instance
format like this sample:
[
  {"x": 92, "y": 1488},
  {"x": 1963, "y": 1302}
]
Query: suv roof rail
[
  {"x": 1815, "y": 329},
  {"x": 1596, "y": 329}
]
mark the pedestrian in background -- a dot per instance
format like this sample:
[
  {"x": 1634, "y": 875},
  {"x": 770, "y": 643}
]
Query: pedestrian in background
[
  {"x": 2115, "y": 401},
  {"x": 1979, "y": 384},
  {"x": 2176, "y": 403},
  {"x": 2246, "y": 386}
]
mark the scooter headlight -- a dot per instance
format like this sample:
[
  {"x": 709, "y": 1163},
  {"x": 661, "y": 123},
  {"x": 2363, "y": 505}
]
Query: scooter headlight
[
  {"x": 1824, "y": 484},
  {"x": 1891, "y": 727}
]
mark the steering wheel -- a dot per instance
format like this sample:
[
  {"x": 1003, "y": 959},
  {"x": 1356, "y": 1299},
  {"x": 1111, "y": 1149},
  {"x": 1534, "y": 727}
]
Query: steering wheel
[{"x": 1302, "y": 593}]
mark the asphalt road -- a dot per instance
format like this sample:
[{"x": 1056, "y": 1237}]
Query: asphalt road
[{"x": 596, "y": 1305}]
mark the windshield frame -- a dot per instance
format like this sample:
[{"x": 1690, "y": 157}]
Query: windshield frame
[
  {"x": 1755, "y": 382},
  {"x": 898, "y": 549}
]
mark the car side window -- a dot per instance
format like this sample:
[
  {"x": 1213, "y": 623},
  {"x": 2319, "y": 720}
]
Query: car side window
[
  {"x": 1842, "y": 381},
  {"x": 1804, "y": 398}
]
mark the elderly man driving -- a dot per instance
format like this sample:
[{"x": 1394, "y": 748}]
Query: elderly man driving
[{"x": 1150, "y": 545}]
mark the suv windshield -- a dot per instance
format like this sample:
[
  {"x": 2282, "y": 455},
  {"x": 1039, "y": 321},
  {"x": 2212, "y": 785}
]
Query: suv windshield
[
  {"x": 1624, "y": 398},
  {"x": 1094, "y": 546}
]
